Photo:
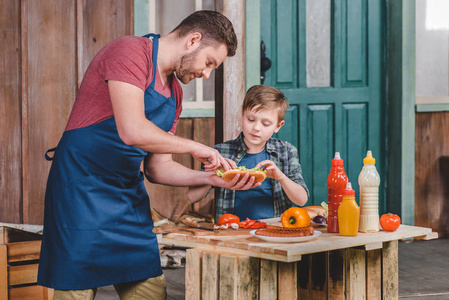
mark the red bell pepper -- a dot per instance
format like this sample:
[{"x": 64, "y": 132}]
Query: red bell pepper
[
  {"x": 249, "y": 223},
  {"x": 257, "y": 225}
]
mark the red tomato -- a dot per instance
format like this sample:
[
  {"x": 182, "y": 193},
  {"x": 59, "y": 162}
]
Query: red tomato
[
  {"x": 228, "y": 219},
  {"x": 390, "y": 222}
]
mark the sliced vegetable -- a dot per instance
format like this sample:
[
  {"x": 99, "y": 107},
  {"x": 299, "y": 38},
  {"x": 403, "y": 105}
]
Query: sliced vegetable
[
  {"x": 258, "y": 224},
  {"x": 325, "y": 206},
  {"x": 249, "y": 223}
]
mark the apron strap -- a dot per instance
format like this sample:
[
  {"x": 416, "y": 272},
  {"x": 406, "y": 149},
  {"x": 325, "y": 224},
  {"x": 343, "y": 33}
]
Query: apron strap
[
  {"x": 46, "y": 154},
  {"x": 154, "y": 58}
]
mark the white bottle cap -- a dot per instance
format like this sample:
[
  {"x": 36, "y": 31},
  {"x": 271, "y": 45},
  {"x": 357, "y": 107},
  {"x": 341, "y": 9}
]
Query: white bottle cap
[
  {"x": 337, "y": 155},
  {"x": 349, "y": 186}
]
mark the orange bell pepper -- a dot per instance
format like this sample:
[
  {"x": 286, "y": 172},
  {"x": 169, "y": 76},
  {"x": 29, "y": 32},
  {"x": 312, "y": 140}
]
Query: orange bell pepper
[{"x": 295, "y": 217}]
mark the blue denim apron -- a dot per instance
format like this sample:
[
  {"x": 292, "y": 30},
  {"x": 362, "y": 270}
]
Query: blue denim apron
[{"x": 97, "y": 219}]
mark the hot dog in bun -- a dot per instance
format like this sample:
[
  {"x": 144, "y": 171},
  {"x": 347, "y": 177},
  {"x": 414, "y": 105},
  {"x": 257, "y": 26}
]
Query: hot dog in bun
[
  {"x": 259, "y": 173},
  {"x": 314, "y": 211}
]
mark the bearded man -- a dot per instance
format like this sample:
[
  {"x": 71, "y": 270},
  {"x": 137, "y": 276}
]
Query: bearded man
[{"x": 97, "y": 222}]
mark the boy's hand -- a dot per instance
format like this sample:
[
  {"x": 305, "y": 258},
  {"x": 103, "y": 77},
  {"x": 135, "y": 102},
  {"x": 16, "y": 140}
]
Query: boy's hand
[
  {"x": 246, "y": 183},
  {"x": 272, "y": 170}
]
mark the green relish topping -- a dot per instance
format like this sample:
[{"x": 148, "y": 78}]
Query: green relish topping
[{"x": 241, "y": 168}]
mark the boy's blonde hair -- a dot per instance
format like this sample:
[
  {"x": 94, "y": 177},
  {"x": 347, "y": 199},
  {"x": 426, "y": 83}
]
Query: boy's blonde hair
[{"x": 261, "y": 97}]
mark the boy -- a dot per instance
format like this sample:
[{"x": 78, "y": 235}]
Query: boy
[{"x": 263, "y": 112}]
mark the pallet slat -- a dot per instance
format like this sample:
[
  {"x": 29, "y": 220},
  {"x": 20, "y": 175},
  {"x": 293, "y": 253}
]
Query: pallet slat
[
  {"x": 228, "y": 277},
  {"x": 287, "y": 281},
  {"x": 318, "y": 276},
  {"x": 21, "y": 251},
  {"x": 355, "y": 274},
  {"x": 3, "y": 272},
  {"x": 268, "y": 279},
  {"x": 210, "y": 275},
  {"x": 337, "y": 274},
  {"x": 390, "y": 285},
  {"x": 248, "y": 278},
  {"x": 23, "y": 274},
  {"x": 193, "y": 275},
  {"x": 30, "y": 292},
  {"x": 374, "y": 274}
]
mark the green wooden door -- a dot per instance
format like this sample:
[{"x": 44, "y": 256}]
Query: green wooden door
[{"x": 327, "y": 57}]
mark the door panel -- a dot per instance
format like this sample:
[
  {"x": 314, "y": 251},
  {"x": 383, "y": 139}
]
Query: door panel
[{"x": 341, "y": 113}]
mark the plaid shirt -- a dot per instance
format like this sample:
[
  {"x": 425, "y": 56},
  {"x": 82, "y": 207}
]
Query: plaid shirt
[{"x": 282, "y": 153}]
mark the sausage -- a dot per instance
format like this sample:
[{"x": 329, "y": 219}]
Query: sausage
[{"x": 285, "y": 232}]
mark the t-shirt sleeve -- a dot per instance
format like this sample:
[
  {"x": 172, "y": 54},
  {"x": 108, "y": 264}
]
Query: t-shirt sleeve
[{"x": 128, "y": 61}]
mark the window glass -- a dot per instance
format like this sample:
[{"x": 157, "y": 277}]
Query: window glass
[
  {"x": 318, "y": 42},
  {"x": 432, "y": 48},
  {"x": 169, "y": 14}
]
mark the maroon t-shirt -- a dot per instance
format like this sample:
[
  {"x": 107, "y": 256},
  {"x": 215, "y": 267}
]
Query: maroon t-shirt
[{"x": 127, "y": 59}]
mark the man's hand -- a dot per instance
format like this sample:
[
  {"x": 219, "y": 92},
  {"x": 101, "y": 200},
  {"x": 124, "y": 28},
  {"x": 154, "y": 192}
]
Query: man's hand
[
  {"x": 211, "y": 158},
  {"x": 272, "y": 170}
]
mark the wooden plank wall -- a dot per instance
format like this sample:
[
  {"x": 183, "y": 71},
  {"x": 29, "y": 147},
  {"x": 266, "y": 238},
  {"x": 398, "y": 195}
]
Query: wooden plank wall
[
  {"x": 432, "y": 171},
  {"x": 10, "y": 112},
  {"x": 45, "y": 48}
]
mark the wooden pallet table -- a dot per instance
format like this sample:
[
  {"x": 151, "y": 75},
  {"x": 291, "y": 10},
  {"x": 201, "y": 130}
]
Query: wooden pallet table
[{"x": 237, "y": 265}]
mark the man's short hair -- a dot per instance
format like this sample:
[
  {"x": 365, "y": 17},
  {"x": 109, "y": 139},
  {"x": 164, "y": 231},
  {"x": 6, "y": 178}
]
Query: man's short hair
[
  {"x": 262, "y": 97},
  {"x": 214, "y": 27}
]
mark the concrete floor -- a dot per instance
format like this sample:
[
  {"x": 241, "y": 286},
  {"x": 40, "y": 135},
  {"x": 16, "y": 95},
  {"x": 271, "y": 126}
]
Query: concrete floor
[{"x": 423, "y": 273}]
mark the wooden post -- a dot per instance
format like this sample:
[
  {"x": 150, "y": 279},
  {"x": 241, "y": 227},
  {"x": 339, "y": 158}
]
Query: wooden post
[{"x": 233, "y": 76}]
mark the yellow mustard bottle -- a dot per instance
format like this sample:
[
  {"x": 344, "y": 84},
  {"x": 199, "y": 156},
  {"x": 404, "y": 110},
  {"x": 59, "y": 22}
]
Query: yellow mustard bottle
[
  {"x": 348, "y": 213},
  {"x": 369, "y": 182}
]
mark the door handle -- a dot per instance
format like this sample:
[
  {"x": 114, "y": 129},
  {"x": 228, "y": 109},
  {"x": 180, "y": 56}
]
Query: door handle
[{"x": 265, "y": 62}]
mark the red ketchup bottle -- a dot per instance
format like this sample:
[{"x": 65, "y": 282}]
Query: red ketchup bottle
[{"x": 336, "y": 184}]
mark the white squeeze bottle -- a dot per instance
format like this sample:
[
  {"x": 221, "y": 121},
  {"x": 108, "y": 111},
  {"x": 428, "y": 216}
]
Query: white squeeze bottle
[{"x": 369, "y": 181}]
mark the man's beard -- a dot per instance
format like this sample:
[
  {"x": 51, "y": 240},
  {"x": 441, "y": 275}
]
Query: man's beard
[{"x": 184, "y": 72}]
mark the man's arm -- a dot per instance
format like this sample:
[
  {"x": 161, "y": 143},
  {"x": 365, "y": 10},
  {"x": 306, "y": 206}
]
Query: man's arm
[
  {"x": 162, "y": 169},
  {"x": 196, "y": 193},
  {"x": 136, "y": 130}
]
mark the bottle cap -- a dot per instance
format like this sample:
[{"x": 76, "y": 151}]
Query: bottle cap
[
  {"x": 337, "y": 161},
  {"x": 369, "y": 159},
  {"x": 349, "y": 191}
]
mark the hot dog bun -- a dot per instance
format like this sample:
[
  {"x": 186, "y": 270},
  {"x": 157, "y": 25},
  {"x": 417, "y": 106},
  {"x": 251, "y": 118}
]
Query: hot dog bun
[
  {"x": 313, "y": 211},
  {"x": 230, "y": 174}
]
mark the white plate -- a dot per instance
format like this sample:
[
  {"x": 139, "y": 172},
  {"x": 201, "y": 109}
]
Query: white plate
[{"x": 295, "y": 239}]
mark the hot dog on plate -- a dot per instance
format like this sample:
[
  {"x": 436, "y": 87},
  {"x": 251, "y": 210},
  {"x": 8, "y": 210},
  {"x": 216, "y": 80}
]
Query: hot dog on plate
[
  {"x": 259, "y": 173},
  {"x": 315, "y": 211}
]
